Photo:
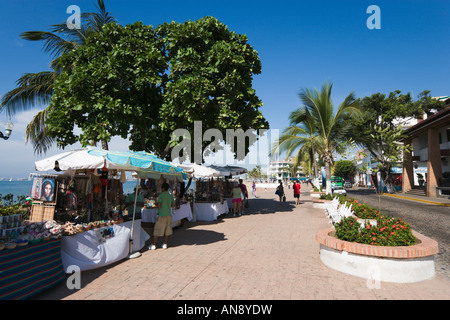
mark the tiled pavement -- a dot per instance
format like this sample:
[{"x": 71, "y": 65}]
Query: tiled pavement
[{"x": 268, "y": 253}]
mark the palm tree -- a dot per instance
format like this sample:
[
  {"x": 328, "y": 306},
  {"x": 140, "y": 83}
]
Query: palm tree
[
  {"x": 302, "y": 141},
  {"x": 332, "y": 129},
  {"x": 35, "y": 89}
]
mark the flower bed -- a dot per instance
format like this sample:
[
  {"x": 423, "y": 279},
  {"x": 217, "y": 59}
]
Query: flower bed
[
  {"x": 388, "y": 231},
  {"x": 400, "y": 264},
  {"x": 389, "y": 247}
]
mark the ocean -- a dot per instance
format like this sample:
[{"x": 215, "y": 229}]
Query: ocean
[{"x": 23, "y": 188}]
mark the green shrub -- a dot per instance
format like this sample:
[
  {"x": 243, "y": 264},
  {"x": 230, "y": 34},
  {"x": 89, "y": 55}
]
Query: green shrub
[{"x": 388, "y": 232}]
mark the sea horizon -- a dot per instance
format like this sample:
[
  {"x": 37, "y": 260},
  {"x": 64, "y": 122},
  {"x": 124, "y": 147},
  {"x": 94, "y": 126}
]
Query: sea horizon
[{"x": 23, "y": 187}]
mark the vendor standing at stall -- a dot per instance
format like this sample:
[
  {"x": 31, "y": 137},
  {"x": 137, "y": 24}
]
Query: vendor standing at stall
[
  {"x": 163, "y": 226},
  {"x": 139, "y": 203}
]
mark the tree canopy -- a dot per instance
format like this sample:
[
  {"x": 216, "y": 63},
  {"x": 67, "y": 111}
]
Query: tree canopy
[
  {"x": 379, "y": 130},
  {"x": 141, "y": 82},
  {"x": 110, "y": 86}
]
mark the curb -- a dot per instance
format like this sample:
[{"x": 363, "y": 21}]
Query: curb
[{"x": 418, "y": 200}]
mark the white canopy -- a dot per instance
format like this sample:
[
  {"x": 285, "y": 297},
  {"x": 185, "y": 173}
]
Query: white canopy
[
  {"x": 223, "y": 172},
  {"x": 71, "y": 160},
  {"x": 199, "y": 171},
  {"x": 229, "y": 170}
]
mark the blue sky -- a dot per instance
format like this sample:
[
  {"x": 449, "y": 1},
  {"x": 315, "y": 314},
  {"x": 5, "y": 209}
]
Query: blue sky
[{"x": 300, "y": 44}]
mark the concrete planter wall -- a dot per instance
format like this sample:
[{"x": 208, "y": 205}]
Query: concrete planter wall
[
  {"x": 390, "y": 264},
  {"x": 320, "y": 203},
  {"x": 316, "y": 194}
]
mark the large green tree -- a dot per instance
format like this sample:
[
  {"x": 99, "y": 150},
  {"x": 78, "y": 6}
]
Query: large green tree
[
  {"x": 145, "y": 83},
  {"x": 110, "y": 86},
  {"x": 345, "y": 169},
  {"x": 210, "y": 79}
]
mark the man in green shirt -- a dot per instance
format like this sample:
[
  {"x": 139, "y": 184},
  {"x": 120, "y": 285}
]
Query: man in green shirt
[
  {"x": 139, "y": 203},
  {"x": 163, "y": 226}
]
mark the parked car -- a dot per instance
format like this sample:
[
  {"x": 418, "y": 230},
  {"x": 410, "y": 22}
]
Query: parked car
[
  {"x": 338, "y": 190},
  {"x": 347, "y": 184}
]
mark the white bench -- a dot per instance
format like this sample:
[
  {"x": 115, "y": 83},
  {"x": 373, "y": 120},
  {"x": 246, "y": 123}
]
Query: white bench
[{"x": 337, "y": 211}]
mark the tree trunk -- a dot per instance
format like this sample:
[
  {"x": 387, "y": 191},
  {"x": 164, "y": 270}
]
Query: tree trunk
[
  {"x": 328, "y": 176},
  {"x": 105, "y": 145},
  {"x": 314, "y": 163}
]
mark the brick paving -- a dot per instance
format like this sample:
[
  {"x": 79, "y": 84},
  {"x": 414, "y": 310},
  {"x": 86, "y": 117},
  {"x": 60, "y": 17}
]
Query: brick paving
[{"x": 268, "y": 253}]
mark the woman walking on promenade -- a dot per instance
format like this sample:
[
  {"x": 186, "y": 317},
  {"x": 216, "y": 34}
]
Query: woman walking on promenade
[
  {"x": 236, "y": 196},
  {"x": 280, "y": 191}
]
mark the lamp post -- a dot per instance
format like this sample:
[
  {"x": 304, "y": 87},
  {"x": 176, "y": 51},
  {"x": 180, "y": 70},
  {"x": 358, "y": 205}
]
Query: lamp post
[{"x": 8, "y": 129}]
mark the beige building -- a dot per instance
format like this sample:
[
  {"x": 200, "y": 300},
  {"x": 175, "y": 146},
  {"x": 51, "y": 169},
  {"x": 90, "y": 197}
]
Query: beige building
[{"x": 430, "y": 157}]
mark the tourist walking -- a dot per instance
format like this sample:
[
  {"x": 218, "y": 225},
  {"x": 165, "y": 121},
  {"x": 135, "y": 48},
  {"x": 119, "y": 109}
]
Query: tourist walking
[
  {"x": 244, "y": 195},
  {"x": 236, "y": 196},
  {"x": 280, "y": 191},
  {"x": 163, "y": 225},
  {"x": 254, "y": 189},
  {"x": 296, "y": 188}
]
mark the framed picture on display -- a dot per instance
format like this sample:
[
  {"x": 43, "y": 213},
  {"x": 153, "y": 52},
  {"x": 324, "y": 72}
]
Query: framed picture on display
[
  {"x": 36, "y": 188},
  {"x": 48, "y": 190}
]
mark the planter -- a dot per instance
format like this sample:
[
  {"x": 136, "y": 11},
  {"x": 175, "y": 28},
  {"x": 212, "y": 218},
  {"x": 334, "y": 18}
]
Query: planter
[
  {"x": 406, "y": 264},
  {"x": 316, "y": 194},
  {"x": 320, "y": 203}
]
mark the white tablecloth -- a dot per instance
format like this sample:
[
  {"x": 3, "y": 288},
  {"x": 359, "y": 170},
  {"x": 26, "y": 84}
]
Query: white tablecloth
[
  {"x": 88, "y": 250},
  {"x": 229, "y": 201},
  {"x": 210, "y": 211},
  {"x": 150, "y": 215}
]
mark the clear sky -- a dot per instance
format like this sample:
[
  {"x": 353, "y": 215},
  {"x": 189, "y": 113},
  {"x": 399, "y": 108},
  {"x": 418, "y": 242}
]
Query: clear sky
[{"x": 300, "y": 44}]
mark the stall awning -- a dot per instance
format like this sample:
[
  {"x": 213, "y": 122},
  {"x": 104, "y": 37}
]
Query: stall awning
[
  {"x": 199, "y": 171},
  {"x": 145, "y": 164},
  {"x": 71, "y": 160}
]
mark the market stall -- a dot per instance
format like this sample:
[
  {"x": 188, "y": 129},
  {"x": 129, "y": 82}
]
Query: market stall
[
  {"x": 230, "y": 182},
  {"x": 101, "y": 246},
  {"x": 212, "y": 189},
  {"x": 109, "y": 234},
  {"x": 153, "y": 187},
  {"x": 183, "y": 212},
  {"x": 206, "y": 195}
]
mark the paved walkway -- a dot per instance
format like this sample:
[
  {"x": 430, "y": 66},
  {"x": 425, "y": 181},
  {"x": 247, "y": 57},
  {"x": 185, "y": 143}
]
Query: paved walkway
[{"x": 269, "y": 253}]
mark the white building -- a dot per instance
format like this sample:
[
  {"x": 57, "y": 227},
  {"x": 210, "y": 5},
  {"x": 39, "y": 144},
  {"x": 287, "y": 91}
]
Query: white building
[{"x": 280, "y": 170}]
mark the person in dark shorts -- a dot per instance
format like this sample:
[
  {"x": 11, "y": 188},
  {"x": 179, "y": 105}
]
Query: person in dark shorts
[
  {"x": 280, "y": 191},
  {"x": 297, "y": 188}
]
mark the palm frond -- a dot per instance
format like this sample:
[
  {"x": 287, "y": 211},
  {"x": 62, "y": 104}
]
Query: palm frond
[
  {"x": 33, "y": 89},
  {"x": 36, "y": 133},
  {"x": 53, "y": 44}
]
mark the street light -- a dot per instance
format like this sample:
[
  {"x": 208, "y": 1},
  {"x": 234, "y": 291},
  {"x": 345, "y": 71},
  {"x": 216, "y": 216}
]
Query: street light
[{"x": 8, "y": 129}]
